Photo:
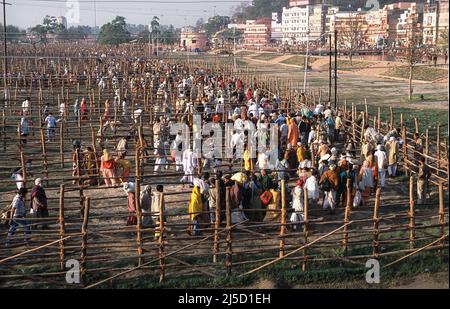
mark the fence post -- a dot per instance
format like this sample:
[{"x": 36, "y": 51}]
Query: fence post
[
  {"x": 137, "y": 206},
  {"x": 61, "y": 143},
  {"x": 229, "y": 251},
  {"x": 283, "y": 217},
  {"x": 216, "y": 222},
  {"x": 161, "y": 238},
  {"x": 391, "y": 124},
  {"x": 305, "y": 226},
  {"x": 84, "y": 232},
  {"x": 441, "y": 214},
  {"x": 427, "y": 146},
  {"x": 347, "y": 214},
  {"x": 376, "y": 231},
  {"x": 405, "y": 151},
  {"x": 411, "y": 212},
  {"x": 44, "y": 155},
  {"x": 62, "y": 227},
  {"x": 438, "y": 146}
]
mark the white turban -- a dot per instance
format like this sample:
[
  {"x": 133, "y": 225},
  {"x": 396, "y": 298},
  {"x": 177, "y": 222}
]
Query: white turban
[{"x": 37, "y": 181}]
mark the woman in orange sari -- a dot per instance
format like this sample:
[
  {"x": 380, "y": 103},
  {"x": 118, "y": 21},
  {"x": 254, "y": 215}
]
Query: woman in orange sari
[{"x": 365, "y": 182}]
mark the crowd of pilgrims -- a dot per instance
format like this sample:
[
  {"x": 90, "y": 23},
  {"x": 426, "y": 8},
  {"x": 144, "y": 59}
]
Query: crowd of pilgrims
[{"x": 314, "y": 148}]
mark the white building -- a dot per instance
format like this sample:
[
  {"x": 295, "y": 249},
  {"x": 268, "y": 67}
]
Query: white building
[
  {"x": 295, "y": 22},
  {"x": 277, "y": 28},
  {"x": 62, "y": 20}
]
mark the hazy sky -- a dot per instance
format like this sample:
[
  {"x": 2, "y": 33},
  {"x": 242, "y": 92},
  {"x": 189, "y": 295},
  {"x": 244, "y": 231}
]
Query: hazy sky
[{"x": 27, "y": 13}]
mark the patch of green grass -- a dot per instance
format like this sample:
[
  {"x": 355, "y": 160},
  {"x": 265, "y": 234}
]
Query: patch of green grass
[
  {"x": 244, "y": 53},
  {"x": 299, "y": 60},
  {"x": 427, "y": 118},
  {"x": 266, "y": 56},
  {"x": 346, "y": 65},
  {"x": 423, "y": 73}
]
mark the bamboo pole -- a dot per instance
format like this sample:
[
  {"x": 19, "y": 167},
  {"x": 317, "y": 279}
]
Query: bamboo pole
[
  {"x": 427, "y": 145},
  {"x": 44, "y": 155},
  {"x": 294, "y": 251},
  {"x": 283, "y": 217},
  {"x": 4, "y": 129},
  {"x": 376, "y": 221},
  {"x": 84, "y": 232},
  {"x": 61, "y": 143},
  {"x": 391, "y": 122},
  {"x": 137, "y": 203},
  {"x": 347, "y": 213},
  {"x": 216, "y": 222},
  {"x": 379, "y": 119},
  {"x": 62, "y": 228},
  {"x": 438, "y": 146},
  {"x": 305, "y": 227},
  {"x": 416, "y": 123},
  {"x": 161, "y": 238},
  {"x": 229, "y": 250},
  {"x": 441, "y": 213},
  {"x": 411, "y": 212},
  {"x": 405, "y": 151}
]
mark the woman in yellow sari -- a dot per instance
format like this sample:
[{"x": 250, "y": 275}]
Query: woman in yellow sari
[{"x": 195, "y": 208}]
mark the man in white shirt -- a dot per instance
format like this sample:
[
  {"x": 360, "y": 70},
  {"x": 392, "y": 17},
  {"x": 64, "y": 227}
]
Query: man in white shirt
[
  {"x": 382, "y": 163},
  {"x": 50, "y": 120},
  {"x": 26, "y": 106}
]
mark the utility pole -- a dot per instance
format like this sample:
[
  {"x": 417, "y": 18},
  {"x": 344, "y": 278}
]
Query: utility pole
[
  {"x": 149, "y": 41},
  {"x": 329, "y": 69},
  {"x": 307, "y": 52},
  {"x": 234, "y": 49},
  {"x": 95, "y": 17},
  {"x": 335, "y": 68},
  {"x": 5, "y": 55}
]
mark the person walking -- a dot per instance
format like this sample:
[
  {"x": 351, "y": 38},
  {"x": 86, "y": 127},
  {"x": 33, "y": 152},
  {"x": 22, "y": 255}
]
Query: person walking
[
  {"x": 39, "y": 201},
  {"x": 423, "y": 177},
  {"x": 17, "y": 216},
  {"x": 382, "y": 162}
]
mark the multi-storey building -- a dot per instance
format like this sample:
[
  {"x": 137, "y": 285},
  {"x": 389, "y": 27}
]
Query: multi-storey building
[
  {"x": 277, "y": 28},
  {"x": 409, "y": 25},
  {"x": 302, "y": 23},
  {"x": 191, "y": 40},
  {"x": 435, "y": 21},
  {"x": 258, "y": 32}
]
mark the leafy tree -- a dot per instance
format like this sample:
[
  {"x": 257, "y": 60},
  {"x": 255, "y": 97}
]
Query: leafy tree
[
  {"x": 49, "y": 26},
  {"x": 259, "y": 8},
  {"x": 215, "y": 24},
  {"x": 75, "y": 33},
  {"x": 13, "y": 33},
  {"x": 352, "y": 34},
  {"x": 168, "y": 35},
  {"x": 114, "y": 32},
  {"x": 154, "y": 25}
]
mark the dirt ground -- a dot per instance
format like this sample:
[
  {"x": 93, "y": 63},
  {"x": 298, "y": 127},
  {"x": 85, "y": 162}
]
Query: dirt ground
[
  {"x": 360, "y": 84},
  {"x": 423, "y": 281}
]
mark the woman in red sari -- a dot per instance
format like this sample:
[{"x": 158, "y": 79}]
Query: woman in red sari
[
  {"x": 129, "y": 188},
  {"x": 83, "y": 109},
  {"x": 106, "y": 116}
]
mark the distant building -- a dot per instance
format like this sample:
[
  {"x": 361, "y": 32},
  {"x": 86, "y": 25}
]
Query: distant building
[
  {"x": 277, "y": 28},
  {"x": 295, "y": 24},
  {"x": 435, "y": 21},
  {"x": 192, "y": 40},
  {"x": 409, "y": 25},
  {"x": 257, "y": 32},
  {"x": 390, "y": 16},
  {"x": 300, "y": 21},
  {"x": 62, "y": 20}
]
